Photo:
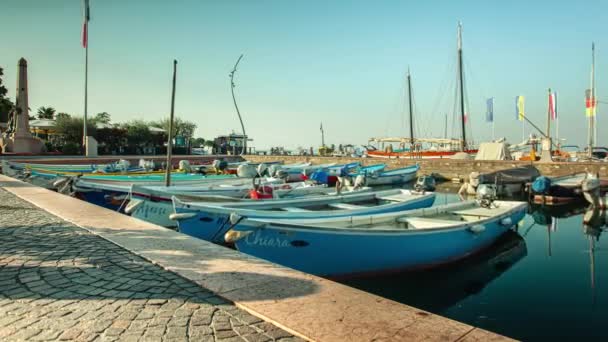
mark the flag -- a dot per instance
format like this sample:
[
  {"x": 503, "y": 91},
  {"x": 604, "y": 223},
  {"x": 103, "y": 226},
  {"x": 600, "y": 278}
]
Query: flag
[
  {"x": 85, "y": 24},
  {"x": 519, "y": 108},
  {"x": 490, "y": 110},
  {"x": 590, "y": 103},
  {"x": 553, "y": 105}
]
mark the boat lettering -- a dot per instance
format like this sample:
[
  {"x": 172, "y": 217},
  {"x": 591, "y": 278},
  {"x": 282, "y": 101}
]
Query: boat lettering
[
  {"x": 146, "y": 210},
  {"x": 259, "y": 240}
]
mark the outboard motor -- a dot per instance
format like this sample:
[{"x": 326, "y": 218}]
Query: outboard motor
[
  {"x": 262, "y": 169},
  {"x": 591, "y": 190},
  {"x": 184, "y": 166},
  {"x": 486, "y": 194},
  {"x": 360, "y": 181},
  {"x": 273, "y": 170},
  {"x": 123, "y": 165},
  {"x": 147, "y": 165},
  {"x": 219, "y": 165},
  {"x": 425, "y": 183},
  {"x": 246, "y": 171},
  {"x": 281, "y": 174}
]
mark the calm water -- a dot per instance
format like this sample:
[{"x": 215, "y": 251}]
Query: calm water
[{"x": 547, "y": 281}]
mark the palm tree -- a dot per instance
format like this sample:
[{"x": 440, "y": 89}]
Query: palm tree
[{"x": 46, "y": 113}]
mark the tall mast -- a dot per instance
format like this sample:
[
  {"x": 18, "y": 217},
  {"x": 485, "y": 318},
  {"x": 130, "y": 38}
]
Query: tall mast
[
  {"x": 409, "y": 87},
  {"x": 592, "y": 103},
  {"x": 463, "y": 145}
]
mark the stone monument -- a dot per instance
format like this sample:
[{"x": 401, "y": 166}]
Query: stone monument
[{"x": 17, "y": 138}]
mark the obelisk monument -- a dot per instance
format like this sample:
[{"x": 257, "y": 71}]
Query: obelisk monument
[{"x": 20, "y": 140}]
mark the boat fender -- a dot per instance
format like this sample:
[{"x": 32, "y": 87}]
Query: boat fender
[
  {"x": 477, "y": 229},
  {"x": 132, "y": 206},
  {"x": 506, "y": 222},
  {"x": 181, "y": 216},
  {"x": 60, "y": 182},
  {"x": 235, "y": 218},
  {"x": 79, "y": 189},
  {"x": 232, "y": 236}
]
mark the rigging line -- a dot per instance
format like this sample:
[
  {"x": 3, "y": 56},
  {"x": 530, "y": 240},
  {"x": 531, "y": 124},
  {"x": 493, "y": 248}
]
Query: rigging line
[{"x": 446, "y": 84}]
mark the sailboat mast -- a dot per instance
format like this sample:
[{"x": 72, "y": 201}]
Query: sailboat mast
[
  {"x": 409, "y": 90},
  {"x": 463, "y": 145},
  {"x": 592, "y": 102}
]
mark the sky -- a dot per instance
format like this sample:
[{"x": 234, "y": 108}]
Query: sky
[{"x": 339, "y": 63}]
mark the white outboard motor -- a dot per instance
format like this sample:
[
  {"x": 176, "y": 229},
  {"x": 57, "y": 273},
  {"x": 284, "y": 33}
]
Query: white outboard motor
[
  {"x": 273, "y": 170},
  {"x": 359, "y": 181},
  {"x": 123, "y": 165},
  {"x": 219, "y": 165},
  {"x": 591, "y": 190},
  {"x": 281, "y": 174},
  {"x": 246, "y": 171},
  {"x": 147, "y": 165},
  {"x": 486, "y": 194},
  {"x": 262, "y": 169},
  {"x": 184, "y": 166}
]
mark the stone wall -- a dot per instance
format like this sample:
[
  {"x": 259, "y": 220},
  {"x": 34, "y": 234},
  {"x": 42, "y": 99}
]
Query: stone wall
[{"x": 448, "y": 168}]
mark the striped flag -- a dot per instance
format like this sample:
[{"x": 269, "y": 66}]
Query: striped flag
[
  {"x": 553, "y": 105},
  {"x": 85, "y": 24},
  {"x": 590, "y": 103},
  {"x": 490, "y": 110},
  {"x": 519, "y": 108}
]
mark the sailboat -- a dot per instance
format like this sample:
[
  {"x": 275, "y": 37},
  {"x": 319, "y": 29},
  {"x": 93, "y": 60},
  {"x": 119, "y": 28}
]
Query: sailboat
[{"x": 439, "y": 148}]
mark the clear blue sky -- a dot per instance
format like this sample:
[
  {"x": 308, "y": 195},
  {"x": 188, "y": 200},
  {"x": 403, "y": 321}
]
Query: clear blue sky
[{"x": 339, "y": 62}]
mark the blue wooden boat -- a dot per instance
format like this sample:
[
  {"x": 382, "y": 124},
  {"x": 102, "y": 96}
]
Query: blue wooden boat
[
  {"x": 209, "y": 221},
  {"x": 115, "y": 195},
  {"x": 396, "y": 176},
  {"x": 369, "y": 244}
]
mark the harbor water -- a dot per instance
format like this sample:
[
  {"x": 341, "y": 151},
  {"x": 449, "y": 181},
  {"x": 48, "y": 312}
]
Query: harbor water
[{"x": 547, "y": 280}]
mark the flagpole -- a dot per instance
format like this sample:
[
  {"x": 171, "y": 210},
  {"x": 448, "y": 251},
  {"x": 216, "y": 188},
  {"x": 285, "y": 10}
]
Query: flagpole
[
  {"x": 86, "y": 83},
  {"x": 170, "y": 140}
]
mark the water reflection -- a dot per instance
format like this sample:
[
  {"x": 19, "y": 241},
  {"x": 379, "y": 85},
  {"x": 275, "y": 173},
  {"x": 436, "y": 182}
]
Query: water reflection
[
  {"x": 440, "y": 288},
  {"x": 594, "y": 222}
]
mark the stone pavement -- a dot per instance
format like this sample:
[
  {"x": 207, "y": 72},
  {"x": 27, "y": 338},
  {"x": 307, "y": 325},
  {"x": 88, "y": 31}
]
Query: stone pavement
[{"x": 60, "y": 282}]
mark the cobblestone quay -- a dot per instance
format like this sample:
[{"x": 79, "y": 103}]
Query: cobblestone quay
[{"x": 60, "y": 282}]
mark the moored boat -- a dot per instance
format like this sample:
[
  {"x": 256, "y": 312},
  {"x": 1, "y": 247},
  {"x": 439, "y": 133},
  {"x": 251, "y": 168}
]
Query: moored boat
[
  {"x": 368, "y": 244},
  {"x": 209, "y": 221}
]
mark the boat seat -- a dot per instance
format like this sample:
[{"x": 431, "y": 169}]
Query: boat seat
[
  {"x": 294, "y": 209},
  {"x": 395, "y": 198},
  {"x": 425, "y": 223},
  {"x": 481, "y": 212},
  {"x": 345, "y": 206}
]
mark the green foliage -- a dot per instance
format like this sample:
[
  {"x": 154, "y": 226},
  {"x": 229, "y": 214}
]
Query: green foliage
[
  {"x": 71, "y": 129},
  {"x": 5, "y": 103},
  {"x": 62, "y": 115},
  {"x": 197, "y": 142},
  {"x": 181, "y": 127},
  {"x": 209, "y": 143},
  {"x": 70, "y": 148},
  {"x": 46, "y": 113},
  {"x": 102, "y": 117},
  {"x": 138, "y": 132}
]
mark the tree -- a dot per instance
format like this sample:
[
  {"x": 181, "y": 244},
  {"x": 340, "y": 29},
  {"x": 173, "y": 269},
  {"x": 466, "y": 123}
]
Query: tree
[
  {"x": 181, "y": 128},
  {"x": 46, "y": 113},
  {"x": 5, "y": 103},
  {"x": 102, "y": 117},
  {"x": 62, "y": 115},
  {"x": 138, "y": 132},
  {"x": 198, "y": 142},
  {"x": 71, "y": 129}
]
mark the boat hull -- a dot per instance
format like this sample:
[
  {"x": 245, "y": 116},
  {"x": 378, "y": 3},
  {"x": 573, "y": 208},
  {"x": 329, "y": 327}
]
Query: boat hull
[
  {"x": 416, "y": 155},
  {"x": 212, "y": 225},
  {"x": 339, "y": 253}
]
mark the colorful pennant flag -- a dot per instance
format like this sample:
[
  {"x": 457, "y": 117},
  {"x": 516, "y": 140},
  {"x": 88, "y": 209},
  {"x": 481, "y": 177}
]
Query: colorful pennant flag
[
  {"x": 553, "y": 105},
  {"x": 519, "y": 108},
  {"x": 490, "y": 110},
  {"x": 85, "y": 24},
  {"x": 590, "y": 103}
]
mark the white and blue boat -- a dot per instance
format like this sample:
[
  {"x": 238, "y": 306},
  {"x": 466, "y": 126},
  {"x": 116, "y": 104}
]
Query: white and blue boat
[
  {"x": 396, "y": 176},
  {"x": 378, "y": 243},
  {"x": 210, "y": 221},
  {"x": 154, "y": 203}
]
